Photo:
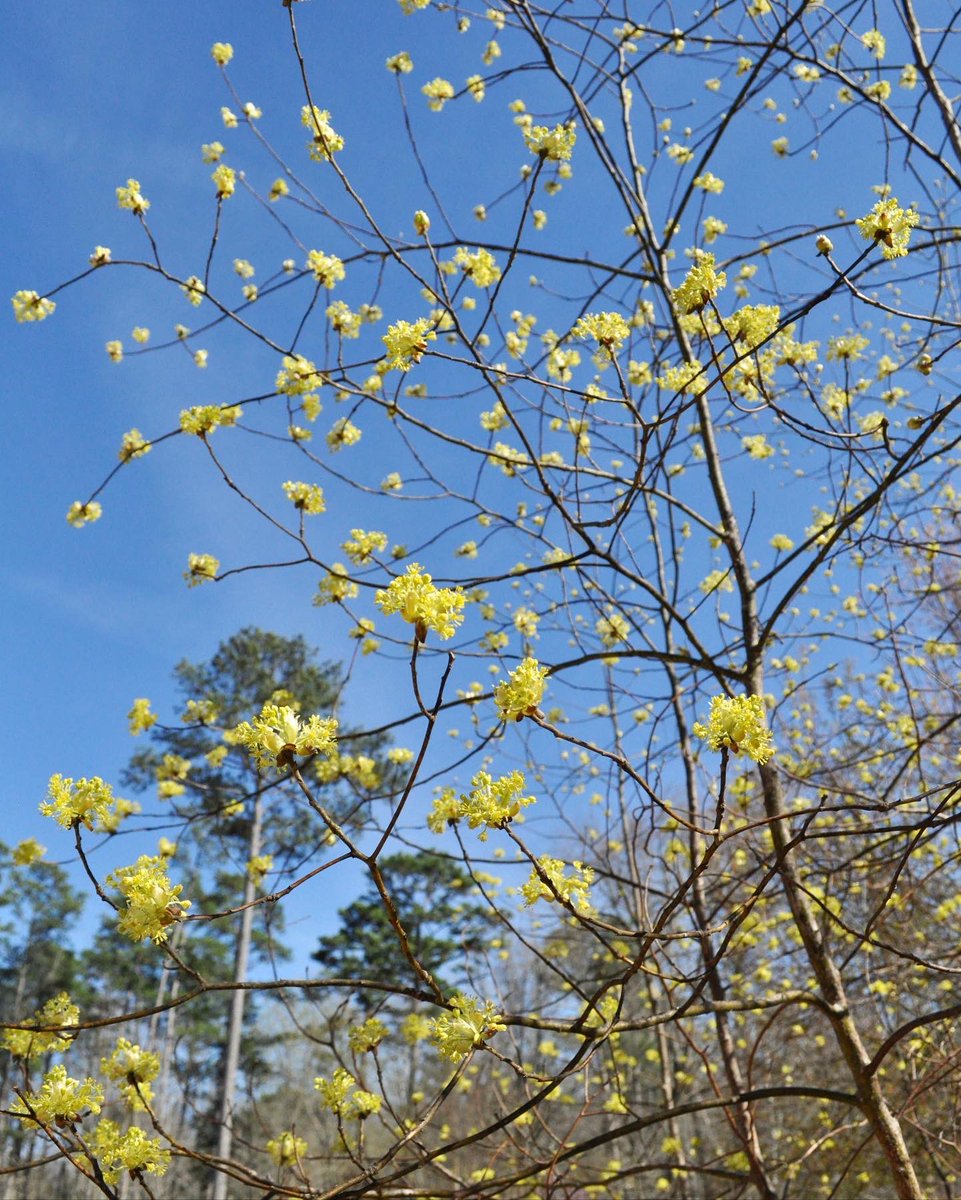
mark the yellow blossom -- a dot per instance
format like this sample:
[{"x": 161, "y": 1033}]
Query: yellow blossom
[
  {"x": 407, "y": 343},
  {"x": 701, "y": 284},
  {"x": 738, "y": 723},
  {"x": 550, "y": 876},
  {"x": 31, "y": 306},
  {"x": 308, "y": 497},
  {"x": 133, "y": 1070},
  {"x": 221, "y": 53},
  {"x": 438, "y": 92},
  {"x": 27, "y": 852},
  {"x": 521, "y": 694},
  {"x": 205, "y": 418},
  {"x": 890, "y": 226},
  {"x": 278, "y": 733},
  {"x": 425, "y": 606},
  {"x": 61, "y": 1100},
  {"x": 556, "y": 145},
  {"x": 80, "y": 514},
  {"x": 479, "y": 266},
  {"x": 325, "y": 141},
  {"x": 201, "y": 568},
  {"x": 286, "y": 1149},
  {"x": 226, "y": 180},
  {"x": 78, "y": 802},
  {"x": 133, "y": 445},
  {"x": 468, "y": 1025},
  {"x": 327, "y": 268},
  {"x": 129, "y": 197},
  {"x": 132, "y": 1152},
  {"x": 153, "y": 903},
  {"x": 193, "y": 288},
  {"x": 48, "y": 1033}
]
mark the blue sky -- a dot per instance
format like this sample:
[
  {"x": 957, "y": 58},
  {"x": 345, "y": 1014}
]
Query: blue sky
[{"x": 98, "y": 93}]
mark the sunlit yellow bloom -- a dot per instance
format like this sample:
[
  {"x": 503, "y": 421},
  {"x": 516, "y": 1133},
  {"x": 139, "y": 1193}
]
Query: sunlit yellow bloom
[
  {"x": 415, "y": 597},
  {"x": 31, "y": 306},
  {"x": 739, "y": 724},
  {"x": 890, "y": 226},
  {"x": 130, "y": 197},
  {"x": 226, "y": 180},
  {"x": 521, "y": 694},
  {"x": 80, "y": 514},
  {"x": 201, "y": 568},
  {"x": 27, "y": 852},
  {"x": 466, "y": 1026},
  {"x": 286, "y": 1149},
  {"x": 278, "y": 733},
  {"x": 574, "y": 888},
  {"x": 58, "y": 1012},
  {"x": 407, "y": 343},
  {"x": 308, "y": 497},
  {"x": 221, "y": 53},
  {"x": 81, "y": 801},
  {"x": 60, "y": 1101},
  {"x": 325, "y": 142},
  {"x": 153, "y": 903},
  {"x": 555, "y": 144}
]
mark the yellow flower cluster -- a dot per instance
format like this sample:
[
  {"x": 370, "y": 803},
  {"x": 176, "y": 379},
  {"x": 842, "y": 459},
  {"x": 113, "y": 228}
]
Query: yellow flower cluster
[
  {"x": 259, "y": 867},
  {"x": 335, "y": 587},
  {"x": 343, "y": 433},
  {"x": 205, "y": 418},
  {"x": 407, "y": 343},
  {"x": 278, "y": 734},
  {"x": 297, "y": 376},
  {"x": 325, "y": 141},
  {"x": 132, "y": 1152},
  {"x": 78, "y": 802},
  {"x": 226, "y": 180},
  {"x": 27, "y": 852},
  {"x": 365, "y": 1037},
  {"x": 133, "y": 445},
  {"x": 153, "y": 903},
  {"x": 554, "y": 144},
  {"x": 193, "y": 288},
  {"x": 130, "y": 197},
  {"x": 701, "y": 284},
  {"x": 61, "y": 1100},
  {"x": 612, "y": 629},
  {"x": 890, "y": 226},
  {"x": 362, "y": 545},
  {"x": 438, "y": 92},
  {"x": 308, "y": 497},
  {"x": 327, "y": 268},
  {"x": 521, "y": 694},
  {"x": 53, "y": 1016},
  {"x": 400, "y": 64},
  {"x": 286, "y": 1149},
  {"x": 31, "y": 306},
  {"x": 456, "y": 1033},
  {"x": 133, "y": 1070},
  {"x": 80, "y": 514},
  {"x": 479, "y": 266},
  {"x": 753, "y": 324},
  {"x": 608, "y": 329},
  {"x": 738, "y": 723},
  {"x": 201, "y": 568},
  {"x": 340, "y": 1097},
  {"x": 492, "y": 803},
  {"x": 423, "y": 605},
  {"x": 573, "y": 888},
  {"x": 221, "y": 53}
]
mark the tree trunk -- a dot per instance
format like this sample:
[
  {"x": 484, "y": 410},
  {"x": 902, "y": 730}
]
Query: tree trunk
[{"x": 231, "y": 1061}]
